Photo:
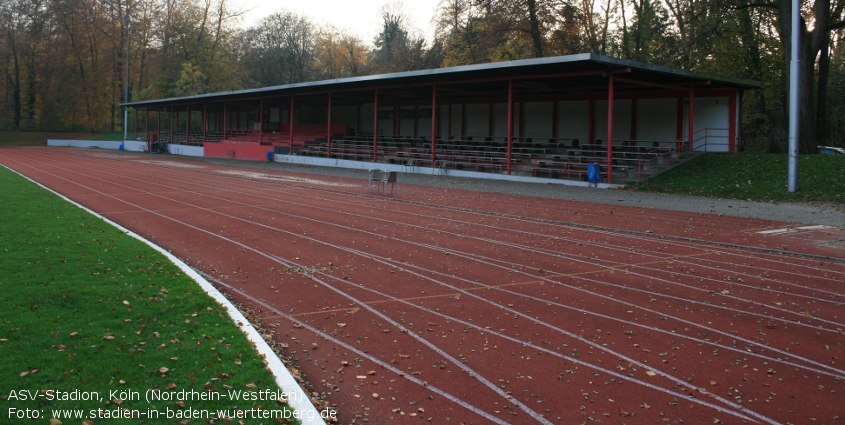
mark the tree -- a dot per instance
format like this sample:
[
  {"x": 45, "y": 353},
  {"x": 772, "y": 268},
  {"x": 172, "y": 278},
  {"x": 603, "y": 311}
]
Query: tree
[
  {"x": 339, "y": 54},
  {"x": 396, "y": 47},
  {"x": 824, "y": 18},
  {"x": 279, "y": 50}
]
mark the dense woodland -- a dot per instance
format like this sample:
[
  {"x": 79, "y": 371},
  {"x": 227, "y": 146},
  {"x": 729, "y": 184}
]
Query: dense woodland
[{"x": 63, "y": 61}]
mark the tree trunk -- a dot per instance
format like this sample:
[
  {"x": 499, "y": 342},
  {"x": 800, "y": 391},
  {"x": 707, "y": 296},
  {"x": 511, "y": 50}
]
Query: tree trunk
[
  {"x": 534, "y": 29},
  {"x": 778, "y": 130},
  {"x": 821, "y": 99},
  {"x": 15, "y": 82}
]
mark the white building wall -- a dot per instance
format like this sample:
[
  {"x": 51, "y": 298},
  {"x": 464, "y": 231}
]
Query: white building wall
[
  {"x": 573, "y": 120},
  {"x": 711, "y": 123},
  {"x": 657, "y": 119},
  {"x": 478, "y": 118},
  {"x": 621, "y": 120},
  {"x": 500, "y": 120},
  {"x": 538, "y": 119}
]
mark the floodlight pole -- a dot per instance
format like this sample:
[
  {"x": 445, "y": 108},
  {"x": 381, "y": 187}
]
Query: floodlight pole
[
  {"x": 794, "y": 93},
  {"x": 126, "y": 84}
]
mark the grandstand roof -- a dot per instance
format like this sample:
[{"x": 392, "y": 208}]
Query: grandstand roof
[{"x": 583, "y": 73}]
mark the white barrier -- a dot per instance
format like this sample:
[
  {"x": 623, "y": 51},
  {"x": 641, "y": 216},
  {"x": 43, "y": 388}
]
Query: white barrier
[
  {"x": 128, "y": 145},
  {"x": 361, "y": 165},
  {"x": 102, "y": 144}
]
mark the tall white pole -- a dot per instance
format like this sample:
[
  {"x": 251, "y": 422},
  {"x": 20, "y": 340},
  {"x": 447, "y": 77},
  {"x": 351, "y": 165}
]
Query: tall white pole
[
  {"x": 126, "y": 83},
  {"x": 794, "y": 94}
]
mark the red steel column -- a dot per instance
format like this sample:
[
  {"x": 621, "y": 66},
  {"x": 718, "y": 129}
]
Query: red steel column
[
  {"x": 329, "y": 130},
  {"x": 610, "y": 128},
  {"x": 433, "y": 123},
  {"x": 691, "y": 118},
  {"x": 375, "y": 127},
  {"x": 510, "y": 124},
  {"x": 290, "y": 124},
  {"x": 679, "y": 127}
]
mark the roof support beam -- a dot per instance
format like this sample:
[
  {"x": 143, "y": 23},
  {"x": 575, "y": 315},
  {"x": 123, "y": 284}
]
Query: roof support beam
[{"x": 658, "y": 85}]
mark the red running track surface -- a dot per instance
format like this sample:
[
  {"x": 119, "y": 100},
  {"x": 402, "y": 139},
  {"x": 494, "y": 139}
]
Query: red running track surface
[{"x": 455, "y": 306}]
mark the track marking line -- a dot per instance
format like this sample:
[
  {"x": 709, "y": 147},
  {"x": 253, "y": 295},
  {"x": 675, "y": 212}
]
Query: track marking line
[
  {"x": 785, "y": 230},
  {"x": 456, "y": 295}
]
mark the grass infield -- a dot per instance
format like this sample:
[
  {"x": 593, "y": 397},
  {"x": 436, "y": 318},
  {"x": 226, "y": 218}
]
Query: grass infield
[
  {"x": 95, "y": 321},
  {"x": 756, "y": 177}
]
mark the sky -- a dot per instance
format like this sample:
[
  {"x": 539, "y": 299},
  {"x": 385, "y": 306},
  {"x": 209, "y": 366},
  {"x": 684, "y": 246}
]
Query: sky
[{"x": 360, "y": 17}]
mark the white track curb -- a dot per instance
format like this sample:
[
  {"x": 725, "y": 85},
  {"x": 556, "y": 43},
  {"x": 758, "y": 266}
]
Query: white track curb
[{"x": 298, "y": 399}]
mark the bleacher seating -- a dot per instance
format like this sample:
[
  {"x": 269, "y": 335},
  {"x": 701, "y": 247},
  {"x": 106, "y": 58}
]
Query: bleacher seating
[{"x": 552, "y": 158}]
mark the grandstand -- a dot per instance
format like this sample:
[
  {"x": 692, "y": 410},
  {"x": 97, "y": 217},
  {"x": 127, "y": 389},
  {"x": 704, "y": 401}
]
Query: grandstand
[{"x": 540, "y": 118}]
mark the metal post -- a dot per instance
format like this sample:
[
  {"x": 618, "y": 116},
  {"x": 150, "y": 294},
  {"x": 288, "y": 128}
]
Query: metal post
[
  {"x": 510, "y": 124},
  {"x": 794, "y": 92},
  {"x": 610, "y": 128},
  {"x": 225, "y": 119},
  {"x": 126, "y": 84},
  {"x": 261, "y": 120}
]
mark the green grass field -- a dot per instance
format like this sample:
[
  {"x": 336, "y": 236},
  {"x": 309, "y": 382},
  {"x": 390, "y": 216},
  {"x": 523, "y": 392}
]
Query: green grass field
[
  {"x": 90, "y": 310},
  {"x": 763, "y": 177}
]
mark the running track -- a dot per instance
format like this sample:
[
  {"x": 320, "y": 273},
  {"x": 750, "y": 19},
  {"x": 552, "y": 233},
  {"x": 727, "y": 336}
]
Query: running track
[{"x": 454, "y": 306}]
